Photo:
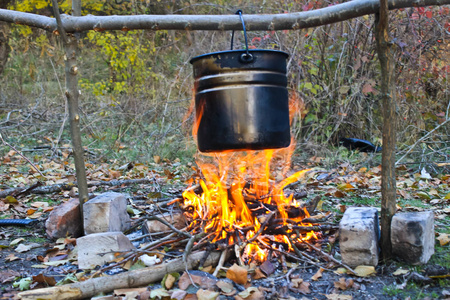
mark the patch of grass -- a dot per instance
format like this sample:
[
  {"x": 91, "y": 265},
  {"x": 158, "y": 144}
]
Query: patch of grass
[
  {"x": 361, "y": 200},
  {"x": 391, "y": 290},
  {"x": 413, "y": 203},
  {"x": 441, "y": 256}
]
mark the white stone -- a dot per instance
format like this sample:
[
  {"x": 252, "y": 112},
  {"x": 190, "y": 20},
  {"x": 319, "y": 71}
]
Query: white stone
[
  {"x": 359, "y": 233},
  {"x": 106, "y": 213},
  {"x": 412, "y": 236},
  {"x": 99, "y": 248}
]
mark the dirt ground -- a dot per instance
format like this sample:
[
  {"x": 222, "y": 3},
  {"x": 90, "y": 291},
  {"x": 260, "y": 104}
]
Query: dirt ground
[{"x": 279, "y": 285}]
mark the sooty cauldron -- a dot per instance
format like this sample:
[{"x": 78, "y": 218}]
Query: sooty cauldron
[{"x": 241, "y": 99}]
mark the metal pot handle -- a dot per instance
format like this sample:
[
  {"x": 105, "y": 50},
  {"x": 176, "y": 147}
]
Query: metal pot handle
[{"x": 246, "y": 57}]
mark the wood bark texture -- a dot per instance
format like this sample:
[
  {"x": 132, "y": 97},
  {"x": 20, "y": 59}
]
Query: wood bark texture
[
  {"x": 71, "y": 48},
  {"x": 4, "y": 45},
  {"x": 136, "y": 278},
  {"x": 4, "y": 39},
  {"x": 386, "y": 53},
  {"x": 290, "y": 21}
]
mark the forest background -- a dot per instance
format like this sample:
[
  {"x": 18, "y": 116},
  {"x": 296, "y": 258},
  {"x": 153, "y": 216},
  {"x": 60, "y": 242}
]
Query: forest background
[{"x": 136, "y": 86}]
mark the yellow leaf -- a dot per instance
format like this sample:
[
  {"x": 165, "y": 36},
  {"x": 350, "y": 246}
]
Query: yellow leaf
[
  {"x": 423, "y": 195},
  {"x": 400, "y": 271},
  {"x": 345, "y": 187},
  {"x": 10, "y": 199},
  {"x": 447, "y": 197},
  {"x": 341, "y": 271},
  {"x": 443, "y": 238},
  {"x": 365, "y": 271}
]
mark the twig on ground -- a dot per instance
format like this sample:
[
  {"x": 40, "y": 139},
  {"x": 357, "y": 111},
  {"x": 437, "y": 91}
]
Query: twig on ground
[
  {"x": 237, "y": 252},
  {"x": 421, "y": 139},
  {"x": 223, "y": 256},
  {"x": 187, "y": 252},
  {"x": 328, "y": 256},
  {"x": 23, "y": 156},
  {"x": 68, "y": 186}
]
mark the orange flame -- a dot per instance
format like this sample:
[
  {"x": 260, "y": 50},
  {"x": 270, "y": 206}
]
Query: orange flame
[{"x": 234, "y": 181}]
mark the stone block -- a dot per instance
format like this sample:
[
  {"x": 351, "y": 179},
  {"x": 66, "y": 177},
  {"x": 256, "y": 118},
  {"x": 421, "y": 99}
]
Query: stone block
[
  {"x": 359, "y": 233},
  {"x": 65, "y": 220},
  {"x": 98, "y": 248},
  {"x": 176, "y": 219},
  {"x": 106, "y": 213},
  {"x": 412, "y": 236}
]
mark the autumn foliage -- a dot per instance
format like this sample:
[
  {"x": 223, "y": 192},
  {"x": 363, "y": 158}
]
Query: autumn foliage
[{"x": 137, "y": 85}]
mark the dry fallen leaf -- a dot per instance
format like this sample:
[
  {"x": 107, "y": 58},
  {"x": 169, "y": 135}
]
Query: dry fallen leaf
[
  {"x": 207, "y": 295},
  {"x": 304, "y": 287},
  {"x": 343, "y": 284},
  {"x": 443, "y": 238},
  {"x": 225, "y": 287},
  {"x": 400, "y": 271},
  {"x": 41, "y": 278},
  {"x": 338, "y": 297},
  {"x": 317, "y": 275},
  {"x": 159, "y": 293},
  {"x": 170, "y": 281},
  {"x": 24, "y": 248},
  {"x": 202, "y": 279},
  {"x": 178, "y": 294},
  {"x": 296, "y": 282},
  {"x": 251, "y": 293},
  {"x": 267, "y": 268},
  {"x": 16, "y": 241},
  {"x": 8, "y": 275},
  {"x": 237, "y": 274},
  {"x": 131, "y": 293},
  {"x": 11, "y": 257},
  {"x": 258, "y": 274},
  {"x": 364, "y": 271}
]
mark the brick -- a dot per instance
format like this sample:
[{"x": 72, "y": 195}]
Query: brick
[
  {"x": 65, "y": 220},
  {"x": 106, "y": 213},
  {"x": 359, "y": 233},
  {"x": 412, "y": 236},
  {"x": 98, "y": 248}
]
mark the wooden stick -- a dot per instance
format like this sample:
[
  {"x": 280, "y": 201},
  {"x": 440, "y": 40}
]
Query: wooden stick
[
  {"x": 68, "y": 186},
  {"x": 223, "y": 256},
  {"x": 23, "y": 156},
  {"x": 329, "y": 256},
  {"x": 135, "y": 278}
]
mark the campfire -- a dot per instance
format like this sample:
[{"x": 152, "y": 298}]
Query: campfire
[{"x": 240, "y": 201}]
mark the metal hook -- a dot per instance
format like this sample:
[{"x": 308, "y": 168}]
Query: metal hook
[{"x": 246, "y": 57}]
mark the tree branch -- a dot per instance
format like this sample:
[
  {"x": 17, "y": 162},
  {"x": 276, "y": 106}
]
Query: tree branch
[{"x": 297, "y": 20}]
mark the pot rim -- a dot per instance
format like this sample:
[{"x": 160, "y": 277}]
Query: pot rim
[{"x": 236, "y": 51}]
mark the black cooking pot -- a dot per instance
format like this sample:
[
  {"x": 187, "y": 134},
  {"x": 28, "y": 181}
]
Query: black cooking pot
[{"x": 241, "y": 100}]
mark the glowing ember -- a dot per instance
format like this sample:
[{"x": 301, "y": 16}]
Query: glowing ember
[{"x": 240, "y": 192}]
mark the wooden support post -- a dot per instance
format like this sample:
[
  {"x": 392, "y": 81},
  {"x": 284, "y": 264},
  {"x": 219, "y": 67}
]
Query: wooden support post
[
  {"x": 388, "y": 181},
  {"x": 71, "y": 70}
]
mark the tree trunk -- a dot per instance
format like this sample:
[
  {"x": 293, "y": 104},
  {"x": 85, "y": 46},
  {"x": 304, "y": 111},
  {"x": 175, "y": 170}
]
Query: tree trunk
[
  {"x": 388, "y": 182},
  {"x": 4, "y": 39},
  {"x": 71, "y": 48}
]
